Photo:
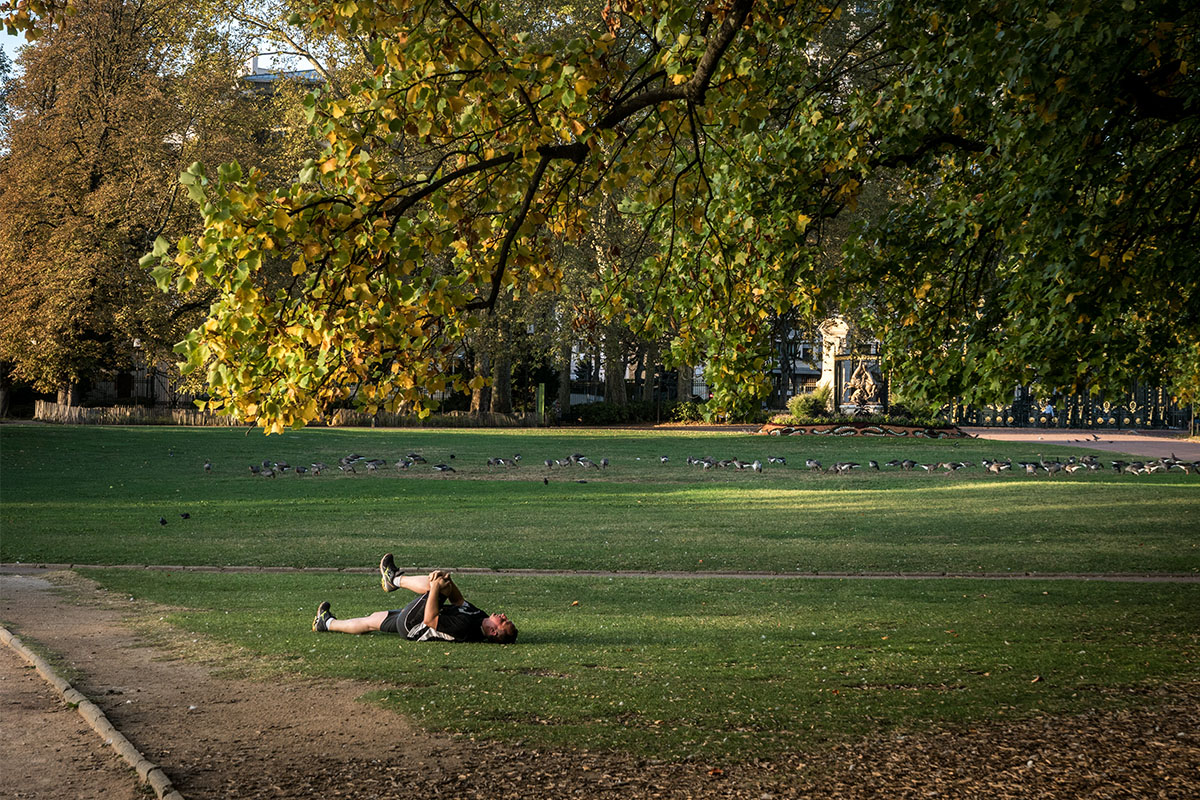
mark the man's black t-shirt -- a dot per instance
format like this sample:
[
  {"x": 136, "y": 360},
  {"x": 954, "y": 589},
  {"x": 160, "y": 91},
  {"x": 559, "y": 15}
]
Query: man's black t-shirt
[{"x": 462, "y": 623}]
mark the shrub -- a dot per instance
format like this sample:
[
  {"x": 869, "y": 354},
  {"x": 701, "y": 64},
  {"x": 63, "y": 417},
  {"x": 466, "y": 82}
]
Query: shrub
[
  {"x": 688, "y": 411},
  {"x": 605, "y": 413},
  {"x": 917, "y": 410},
  {"x": 599, "y": 413},
  {"x": 813, "y": 409},
  {"x": 813, "y": 406}
]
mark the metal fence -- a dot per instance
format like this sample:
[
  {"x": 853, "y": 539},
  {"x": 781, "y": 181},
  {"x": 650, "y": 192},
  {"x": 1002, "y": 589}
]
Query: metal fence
[{"x": 1144, "y": 407}]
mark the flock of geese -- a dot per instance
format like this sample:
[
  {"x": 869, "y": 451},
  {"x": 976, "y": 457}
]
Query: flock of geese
[
  {"x": 350, "y": 464},
  {"x": 355, "y": 464}
]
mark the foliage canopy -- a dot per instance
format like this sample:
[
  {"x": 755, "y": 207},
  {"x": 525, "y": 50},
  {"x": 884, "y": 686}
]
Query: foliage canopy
[
  {"x": 1039, "y": 166},
  {"x": 1043, "y": 224},
  {"x": 106, "y": 112}
]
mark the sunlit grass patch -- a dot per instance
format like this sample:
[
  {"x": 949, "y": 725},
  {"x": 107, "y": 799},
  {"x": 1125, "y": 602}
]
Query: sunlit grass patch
[{"x": 96, "y": 495}]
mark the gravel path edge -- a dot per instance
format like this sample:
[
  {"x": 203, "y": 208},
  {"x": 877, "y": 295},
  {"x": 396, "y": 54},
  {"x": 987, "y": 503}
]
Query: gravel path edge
[
  {"x": 148, "y": 773},
  {"x": 35, "y": 568}
]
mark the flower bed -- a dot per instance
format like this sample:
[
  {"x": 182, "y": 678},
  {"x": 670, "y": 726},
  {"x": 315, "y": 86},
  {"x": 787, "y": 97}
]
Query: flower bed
[{"x": 863, "y": 429}]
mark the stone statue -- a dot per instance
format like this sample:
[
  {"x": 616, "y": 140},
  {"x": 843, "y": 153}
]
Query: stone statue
[{"x": 863, "y": 385}]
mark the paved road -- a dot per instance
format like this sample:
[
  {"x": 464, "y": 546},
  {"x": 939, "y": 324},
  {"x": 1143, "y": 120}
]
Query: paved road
[{"x": 1150, "y": 444}]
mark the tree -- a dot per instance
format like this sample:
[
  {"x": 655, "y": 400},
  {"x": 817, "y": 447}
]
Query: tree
[
  {"x": 32, "y": 17},
  {"x": 1043, "y": 227},
  {"x": 734, "y": 134},
  {"x": 5, "y": 78},
  {"x": 452, "y": 167},
  {"x": 107, "y": 111}
]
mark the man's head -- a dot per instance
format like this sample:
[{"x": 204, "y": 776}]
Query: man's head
[{"x": 499, "y": 629}]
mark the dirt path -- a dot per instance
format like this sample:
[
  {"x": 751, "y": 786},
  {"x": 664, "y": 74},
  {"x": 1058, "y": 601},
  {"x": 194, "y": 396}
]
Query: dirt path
[
  {"x": 1148, "y": 444},
  {"x": 51, "y": 752},
  {"x": 222, "y": 737}
]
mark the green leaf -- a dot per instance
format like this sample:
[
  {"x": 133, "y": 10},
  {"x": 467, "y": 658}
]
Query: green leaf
[{"x": 162, "y": 277}]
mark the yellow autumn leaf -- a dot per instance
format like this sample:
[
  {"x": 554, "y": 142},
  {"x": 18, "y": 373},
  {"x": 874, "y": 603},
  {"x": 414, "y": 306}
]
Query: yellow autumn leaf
[
  {"x": 802, "y": 221},
  {"x": 281, "y": 219}
]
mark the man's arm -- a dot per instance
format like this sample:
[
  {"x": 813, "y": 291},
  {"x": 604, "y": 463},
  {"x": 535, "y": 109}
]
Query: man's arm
[
  {"x": 450, "y": 591},
  {"x": 433, "y": 603},
  {"x": 440, "y": 585}
]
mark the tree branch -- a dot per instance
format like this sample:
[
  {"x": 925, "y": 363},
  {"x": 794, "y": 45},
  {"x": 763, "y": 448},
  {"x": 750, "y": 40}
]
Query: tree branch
[
  {"x": 695, "y": 88},
  {"x": 510, "y": 237},
  {"x": 932, "y": 142}
]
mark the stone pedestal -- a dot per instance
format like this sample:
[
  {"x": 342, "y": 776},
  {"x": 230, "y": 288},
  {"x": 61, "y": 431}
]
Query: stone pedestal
[{"x": 835, "y": 337}]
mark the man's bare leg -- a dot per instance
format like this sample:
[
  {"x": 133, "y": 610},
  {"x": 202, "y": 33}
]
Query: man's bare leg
[
  {"x": 420, "y": 585},
  {"x": 358, "y": 624},
  {"x": 414, "y": 583}
]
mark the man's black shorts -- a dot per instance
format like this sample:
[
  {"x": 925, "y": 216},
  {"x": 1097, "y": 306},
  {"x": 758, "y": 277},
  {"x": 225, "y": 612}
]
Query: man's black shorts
[{"x": 403, "y": 620}]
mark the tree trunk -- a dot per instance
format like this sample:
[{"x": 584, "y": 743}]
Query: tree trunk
[
  {"x": 5, "y": 390},
  {"x": 151, "y": 386},
  {"x": 650, "y": 373},
  {"x": 614, "y": 370},
  {"x": 683, "y": 383},
  {"x": 786, "y": 354},
  {"x": 639, "y": 374},
  {"x": 481, "y": 398},
  {"x": 564, "y": 382},
  {"x": 594, "y": 374},
  {"x": 502, "y": 387},
  {"x": 69, "y": 394}
]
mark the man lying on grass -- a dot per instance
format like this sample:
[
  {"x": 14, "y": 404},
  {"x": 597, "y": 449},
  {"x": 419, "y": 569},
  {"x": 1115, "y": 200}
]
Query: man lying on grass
[{"x": 439, "y": 613}]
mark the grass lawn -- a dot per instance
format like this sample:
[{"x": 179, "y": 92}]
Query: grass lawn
[
  {"x": 95, "y": 495},
  {"x": 719, "y": 668},
  {"x": 662, "y": 666}
]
